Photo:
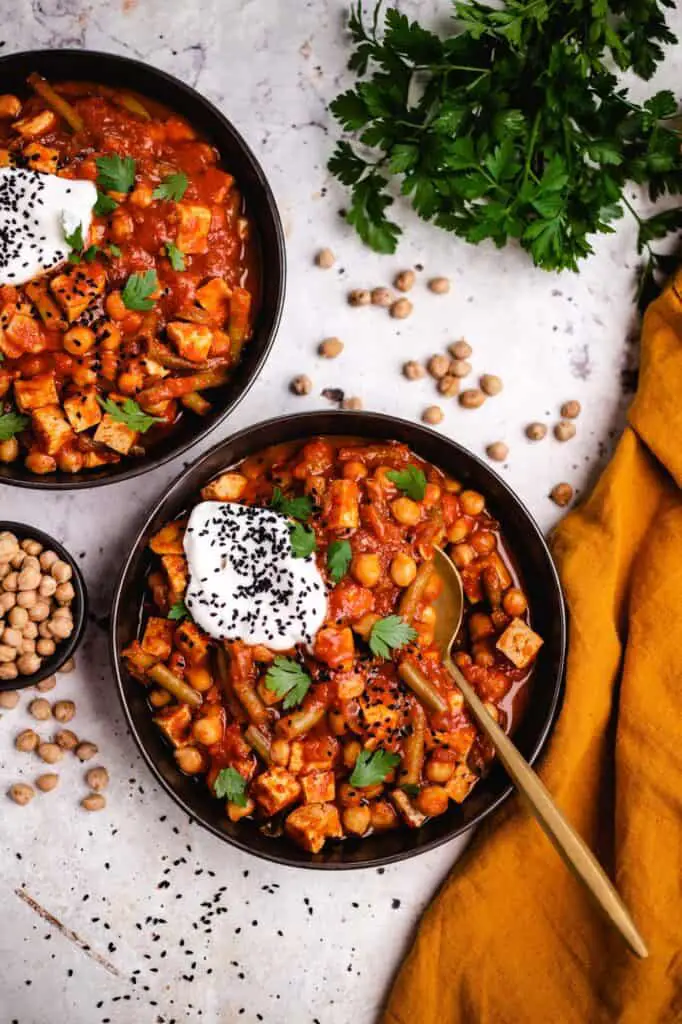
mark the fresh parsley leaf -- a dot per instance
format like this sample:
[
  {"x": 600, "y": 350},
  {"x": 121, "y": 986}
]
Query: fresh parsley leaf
[
  {"x": 12, "y": 423},
  {"x": 298, "y": 508},
  {"x": 176, "y": 256},
  {"x": 104, "y": 205},
  {"x": 372, "y": 767},
  {"x": 410, "y": 789},
  {"x": 231, "y": 785},
  {"x": 115, "y": 173},
  {"x": 389, "y": 634},
  {"x": 339, "y": 555},
  {"x": 178, "y": 612},
  {"x": 2, "y": 357},
  {"x": 410, "y": 480},
  {"x": 303, "y": 541},
  {"x": 173, "y": 187},
  {"x": 287, "y": 679},
  {"x": 138, "y": 291},
  {"x": 113, "y": 250},
  {"x": 129, "y": 413},
  {"x": 75, "y": 239},
  {"x": 90, "y": 253}
]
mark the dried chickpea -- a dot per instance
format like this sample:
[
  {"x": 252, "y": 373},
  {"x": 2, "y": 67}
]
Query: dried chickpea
[
  {"x": 330, "y": 348},
  {"x": 472, "y": 503},
  {"x": 325, "y": 259},
  {"x": 64, "y": 594},
  {"x": 12, "y": 637},
  {"x": 60, "y": 629},
  {"x": 29, "y": 578},
  {"x": 406, "y": 511},
  {"x": 11, "y": 582},
  {"x": 17, "y": 618},
  {"x": 97, "y": 778},
  {"x": 359, "y": 297},
  {"x": 39, "y": 612},
  {"x": 9, "y": 545},
  {"x": 413, "y": 370},
  {"x": 47, "y": 782},
  {"x": 4, "y": 570},
  {"x": 536, "y": 431},
  {"x": 7, "y": 653},
  {"x": 93, "y": 802},
  {"x": 7, "y": 602},
  {"x": 21, "y": 793},
  {"x": 381, "y": 297},
  {"x": 189, "y": 760},
  {"x": 69, "y": 665},
  {"x": 50, "y": 752},
  {"x": 357, "y": 820},
  {"x": 497, "y": 451},
  {"x": 438, "y": 366},
  {"x": 45, "y": 648},
  {"x": 490, "y": 384},
  {"x": 432, "y": 801},
  {"x": 301, "y": 385},
  {"x": 472, "y": 398},
  {"x": 31, "y": 547},
  {"x": 571, "y": 410},
  {"x": 514, "y": 602},
  {"x": 47, "y": 587},
  {"x": 439, "y": 285},
  {"x": 29, "y": 663},
  {"x": 30, "y": 630},
  {"x": 27, "y": 599},
  {"x": 61, "y": 571},
  {"x": 403, "y": 569},
  {"x": 433, "y": 415},
  {"x": 448, "y": 386},
  {"x": 460, "y": 349},
  {"x": 45, "y": 685},
  {"x": 27, "y": 741},
  {"x": 27, "y": 647},
  {"x": 400, "y": 309},
  {"x": 47, "y": 560},
  {"x": 18, "y": 559},
  {"x": 207, "y": 731},
  {"x": 404, "y": 281},
  {"x": 353, "y": 404},
  {"x": 66, "y": 739},
  {"x": 64, "y": 710},
  {"x": 9, "y": 699},
  {"x": 8, "y": 671},
  {"x": 459, "y": 368},
  {"x": 564, "y": 430},
  {"x": 40, "y": 708},
  {"x": 561, "y": 494},
  {"x": 87, "y": 750}
]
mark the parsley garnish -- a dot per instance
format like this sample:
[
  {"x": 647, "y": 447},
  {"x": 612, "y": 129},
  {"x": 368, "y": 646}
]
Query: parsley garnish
[
  {"x": 388, "y": 634},
  {"x": 303, "y": 541},
  {"x": 372, "y": 767},
  {"x": 12, "y": 423},
  {"x": 104, "y": 205},
  {"x": 230, "y": 785},
  {"x": 90, "y": 253},
  {"x": 339, "y": 555},
  {"x": 514, "y": 128},
  {"x": 138, "y": 291},
  {"x": 297, "y": 508},
  {"x": 113, "y": 250},
  {"x": 410, "y": 480},
  {"x": 173, "y": 187},
  {"x": 75, "y": 243},
  {"x": 178, "y": 612},
  {"x": 130, "y": 414},
  {"x": 176, "y": 256},
  {"x": 115, "y": 173},
  {"x": 287, "y": 679}
]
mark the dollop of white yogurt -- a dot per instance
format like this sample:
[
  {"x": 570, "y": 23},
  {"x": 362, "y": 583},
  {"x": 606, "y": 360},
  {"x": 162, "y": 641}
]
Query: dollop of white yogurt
[
  {"x": 245, "y": 583},
  {"x": 36, "y": 212}
]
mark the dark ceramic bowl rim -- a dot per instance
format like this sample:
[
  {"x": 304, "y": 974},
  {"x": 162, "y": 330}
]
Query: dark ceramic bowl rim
[
  {"x": 79, "y": 607},
  {"x": 276, "y": 265},
  {"x": 307, "y": 424}
]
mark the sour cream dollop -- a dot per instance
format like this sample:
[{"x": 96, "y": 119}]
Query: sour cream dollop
[
  {"x": 245, "y": 583},
  {"x": 36, "y": 211}
]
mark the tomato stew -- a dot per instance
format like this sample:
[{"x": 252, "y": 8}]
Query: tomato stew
[
  {"x": 368, "y": 746},
  {"x": 101, "y": 358}
]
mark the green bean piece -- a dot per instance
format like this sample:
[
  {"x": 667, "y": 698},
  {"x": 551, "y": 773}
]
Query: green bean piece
[
  {"x": 259, "y": 743},
  {"x": 422, "y": 687},
  {"x": 176, "y": 686}
]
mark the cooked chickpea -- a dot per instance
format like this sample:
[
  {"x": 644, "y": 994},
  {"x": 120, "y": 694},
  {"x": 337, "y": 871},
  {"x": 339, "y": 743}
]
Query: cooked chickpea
[
  {"x": 9, "y": 450},
  {"x": 97, "y": 778},
  {"x": 94, "y": 802},
  {"x": 301, "y": 385},
  {"x": 354, "y": 470},
  {"x": 432, "y": 801},
  {"x": 159, "y": 698},
  {"x": 439, "y": 285},
  {"x": 7, "y": 602},
  {"x": 10, "y": 105},
  {"x": 351, "y": 752},
  {"x": 66, "y": 739},
  {"x": 199, "y": 678},
  {"x": 472, "y": 503},
  {"x": 400, "y": 309},
  {"x": 381, "y": 297},
  {"x": 40, "y": 464},
  {"x": 9, "y": 545},
  {"x": 64, "y": 710},
  {"x": 280, "y": 751},
  {"x": 47, "y": 587},
  {"x": 480, "y": 626},
  {"x": 7, "y": 653},
  {"x": 40, "y": 611},
  {"x": 565, "y": 430},
  {"x": 8, "y": 699},
  {"x": 86, "y": 750},
  {"x": 462, "y": 555},
  {"x": 357, "y": 820},
  {"x": 403, "y": 569},
  {"x": 79, "y": 340},
  {"x": 64, "y": 594},
  {"x": 330, "y": 348},
  {"x": 17, "y": 618},
  {"x": 359, "y": 297},
  {"x": 61, "y": 571},
  {"x": 433, "y": 415},
  {"x": 483, "y": 655},
  {"x": 60, "y": 629},
  {"x": 366, "y": 568},
  {"x": 460, "y": 349},
  {"x": 27, "y": 599},
  {"x": 27, "y": 741},
  {"x": 21, "y": 793},
  {"x": 207, "y": 731},
  {"x": 69, "y": 460},
  {"x": 406, "y": 511},
  {"x": 439, "y": 771},
  {"x": 190, "y": 760},
  {"x": 383, "y": 816},
  {"x": 404, "y": 281},
  {"x": 50, "y": 752},
  {"x": 47, "y": 560},
  {"x": 438, "y": 365},
  {"x": 514, "y": 602},
  {"x": 47, "y": 782},
  {"x": 483, "y": 542}
]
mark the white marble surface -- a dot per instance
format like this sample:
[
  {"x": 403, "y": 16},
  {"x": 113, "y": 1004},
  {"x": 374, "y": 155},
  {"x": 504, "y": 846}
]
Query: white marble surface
[{"x": 324, "y": 946}]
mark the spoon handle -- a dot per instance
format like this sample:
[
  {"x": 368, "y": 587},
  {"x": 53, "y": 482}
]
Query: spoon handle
[{"x": 574, "y": 851}]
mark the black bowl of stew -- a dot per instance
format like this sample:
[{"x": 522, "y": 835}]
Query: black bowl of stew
[
  {"x": 266, "y": 257},
  {"x": 532, "y": 562}
]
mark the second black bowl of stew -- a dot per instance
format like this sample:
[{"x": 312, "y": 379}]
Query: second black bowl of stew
[
  {"x": 157, "y": 324},
  {"x": 318, "y": 753}
]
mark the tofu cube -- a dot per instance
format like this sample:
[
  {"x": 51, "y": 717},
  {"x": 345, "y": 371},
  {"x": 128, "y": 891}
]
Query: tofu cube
[
  {"x": 176, "y": 570},
  {"x": 36, "y": 392},
  {"x": 193, "y": 341},
  {"x": 158, "y": 637},
  {"x": 175, "y": 723},
  {"x": 41, "y": 158},
  {"x": 191, "y": 642},
  {"x": 51, "y": 428},
  {"x": 275, "y": 789},
  {"x": 194, "y": 223},
  {"x": 115, "y": 435},
  {"x": 335, "y": 646},
  {"x": 342, "y": 505},
  {"x": 95, "y": 459},
  {"x": 25, "y": 332},
  {"x": 31, "y": 127},
  {"x": 318, "y": 787},
  {"x": 228, "y": 487},
  {"x": 77, "y": 287},
  {"x": 460, "y": 784},
  {"x": 519, "y": 643},
  {"x": 83, "y": 410},
  {"x": 379, "y": 719},
  {"x": 168, "y": 541},
  {"x": 310, "y": 825},
  {"x": 214, "y": 295}
]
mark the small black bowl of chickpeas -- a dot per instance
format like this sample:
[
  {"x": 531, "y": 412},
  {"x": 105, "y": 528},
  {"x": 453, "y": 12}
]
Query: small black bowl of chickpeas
[{"x": 43, "y": 606}]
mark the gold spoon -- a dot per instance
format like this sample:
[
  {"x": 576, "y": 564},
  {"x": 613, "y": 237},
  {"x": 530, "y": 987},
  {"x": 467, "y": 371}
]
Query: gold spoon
[{"x": 575, "y": 853}]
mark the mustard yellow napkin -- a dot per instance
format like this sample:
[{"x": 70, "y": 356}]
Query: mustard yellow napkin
[{"x": 512, "y": 938}]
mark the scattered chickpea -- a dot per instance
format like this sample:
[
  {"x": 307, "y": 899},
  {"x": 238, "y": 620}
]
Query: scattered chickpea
[
  {"x": 45, "y": 685},
  {"x": 490, "y": 384},
  {"x": 68, "y": 666},
  {"x": 66, "y": 739},
  {"x": 536, "y": 431},
  {"x": 571, "y": 410},
  {"x": 459, "y": 368},
  {"x": 325, "y": 259},
  {"x": 40, "y": 709},
  {"x": 497, "y": 451},
  {"x": 404, "y": 281},
  {"x": 460, "y": 349},
  {"x": 472, "y": 398},
  {"x": 401, "y": 309},
  {"x": 9, "y": 699},
  {"x": 47, "y": 782},
  {"x": 413, "y": 370},
  {"x": 86, "y": 750},
  {"x": 439, "y": 285},
  {"x": 353, "y": 403},
  {"x": 561, "y": 494},
  {"x": 93, "y": 802},
  {"x": 301, "y": 385},
  {"x": 448, "y": 386},
  {"x": 359, "y": 297},
  {"x": 27, "y": 741},
  {"x": 50, "y": 752},
  {"x": 330, "y": 348},
  {"x": 564, "y": 430},
  {"x": 381, "y": 297},
  {"x": 438, "y": 366},
  {"x": 64, "y": 710},
  {"x": 433, "y": 415},
  {"x": 97, "y": 778},
  {"x": 21, "y": 793}
]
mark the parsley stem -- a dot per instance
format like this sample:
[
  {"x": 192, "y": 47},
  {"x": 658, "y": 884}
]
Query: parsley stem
[{"x": 531, "y": 144}]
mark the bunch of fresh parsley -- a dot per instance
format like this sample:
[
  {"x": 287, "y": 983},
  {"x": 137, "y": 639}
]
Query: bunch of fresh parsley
[{"x": 513, "y": 127}]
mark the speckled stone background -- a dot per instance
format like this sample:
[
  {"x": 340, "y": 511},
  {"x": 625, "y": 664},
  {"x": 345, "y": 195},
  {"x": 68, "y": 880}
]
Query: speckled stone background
[{"x": 134, "y": 915}]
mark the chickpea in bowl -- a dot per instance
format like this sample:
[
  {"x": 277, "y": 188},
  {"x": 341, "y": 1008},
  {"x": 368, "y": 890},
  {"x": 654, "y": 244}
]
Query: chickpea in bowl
[{"x": 43, "y": 606}]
